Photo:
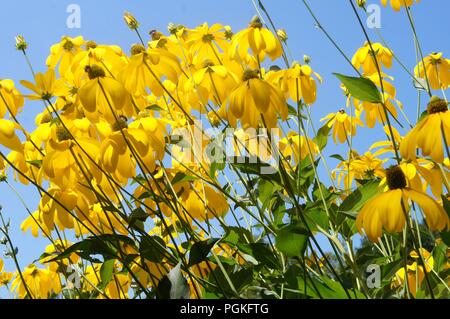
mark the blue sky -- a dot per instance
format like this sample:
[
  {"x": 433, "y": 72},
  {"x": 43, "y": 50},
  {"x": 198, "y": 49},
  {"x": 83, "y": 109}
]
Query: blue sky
[{"x": 42, "y": 23}]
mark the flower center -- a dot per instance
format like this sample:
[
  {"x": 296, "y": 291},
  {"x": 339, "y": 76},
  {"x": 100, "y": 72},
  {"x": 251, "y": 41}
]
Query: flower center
[
  {"x": 62, "y": 134},
  {"x": 91, "y": 45},
  {"x": 94, "y": 71},
  {"x": 137, "y": 49},
  {"x": 207, "y": 38},
  {"x": 120, "y": 124},
  {"x": 255, "y": 23},
  {"x": 207, "y": 63},
  {"x": 437, "y": 105},
  {"x": 395, "y": 177},
  {"x": 250, "y": 74},
  {"x": 68, "y": 45},
  {"x": 47, "y": 118}
]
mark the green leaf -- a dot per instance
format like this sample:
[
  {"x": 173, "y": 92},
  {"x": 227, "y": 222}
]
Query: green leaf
[
  {"x": 321, "y": 138},
  {"x": 265, "y": 255},
  {"x": 152, "y": 248},
  {"x": 35, "y": 163},
  {"x": 361, "y": 88},
  {"x": 356, "y": 200},
  {"x": 155, "y": 107},
  {"x": 200, "y": 250},
  {"x": 137, "y": 218},
  {"x": 104, "y": 245},
  {"x": 179, "y": 288},
  {"x": 292, "y": 240},
  {"x": 106, "y": 273},
  {"x": 182, "y": 177},
  {"x": 255, "y": 166}
]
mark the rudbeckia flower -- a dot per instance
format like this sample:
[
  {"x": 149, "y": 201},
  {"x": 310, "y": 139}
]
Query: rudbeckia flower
[
  {"x": 429, "y": 134},
  {"x": 343, "y": 125},
  {"x": 40, "y": 282},
  {"x": 255, "y": 100},
  {"x": 8, "y": 135},
  {"x": 260, "y": 40},
  {"x": 415, "y": 273},
  {"x": 297, "y": 147},
  {"x": 46, "y": 87},
  {"x": 364, "y": 59},
  {"x": 5, "y": 278},
  {"x": 10, "y": 98},
  {"x": 359, "y": 167},
  {"x": 299, "y": 82},
  {"x": 212, "y": 82},
  {"x": 102, "y": 95},
  {"x": 146, "y": 68},
  {"x": 206, "y": 42},
  {"x": 437, "y": 70},
  {"x": 389, "y": 210},
  {"x": 397, "y": 4},
  {"x": 63, "y": 53}
]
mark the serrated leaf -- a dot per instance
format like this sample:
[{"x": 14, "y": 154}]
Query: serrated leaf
[
  {"x": 361, "y": 88},
  {"x": 356, "y": 200},
  {"x": 200, "y": 250},
  {"x": 292, "y": 240}
]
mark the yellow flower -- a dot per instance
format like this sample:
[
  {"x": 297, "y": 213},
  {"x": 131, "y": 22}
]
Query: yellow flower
[
  {"x": 359, "y": 167},
  {"x": 397, "y": 4},
  {"x": 415, "y": 273},
  {"x": 46, "y": 87},
  {"x": 146, "y": 68},
  {"x": 343, "y": 125},
  {"x": 389, "y": 209},
  {"x": 436, "y": 69},
  {"x": 102, "y": 95},
  {"x": 8, "y": 136},
  {"x": 5, "y": 278},
  {"x": 206, "y": 42},
  {"x": 297, "y": 82},
  {"x": 40, "y": 283},
  {"x": 10, "y": 98},
  {"x": 429, "y": 133},
  {"x": 363, "y": 58},
  {"x": 255, "y": 100},
  {"x": 64, "y": 53},
  {"x": 260, "y": 40},
  {"x": 297, "y": 147},
  {"x": 212, "y": 82}
]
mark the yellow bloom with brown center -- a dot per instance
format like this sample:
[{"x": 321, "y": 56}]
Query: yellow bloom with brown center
[
  {"x": 343, "y": 125},
  {"x": 64, "y": 53},
  {"x": 398, "y": 4},
  {"x": 298, "y": 147},
  {"x": 359, "y": 167},
  {"x": 297, "y": 82},
  {"x": 206, "y": 42},
  {"x": 46, "y": 87},
  {"x": 8, "y": 135},
  {"x": 103, "y": 95},
  {"x": 256, "y": 101},
  {"x": 415, "y": 273},
  {"x": 256, "y": 38},
  {"x": 146, "y": 68},
  {"x": 389, "y": 210},
  {"x": 364, "y": 58},
  {"x": 10, "y": 98},
  {"x": 436, "y": 69},
  {"x": 40, "y": 282},
  {"x": 429, "y": 134}
]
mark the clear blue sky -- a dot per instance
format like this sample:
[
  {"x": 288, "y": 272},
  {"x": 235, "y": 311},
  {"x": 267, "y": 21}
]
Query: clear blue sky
[{"x": 42, "y": 23}]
